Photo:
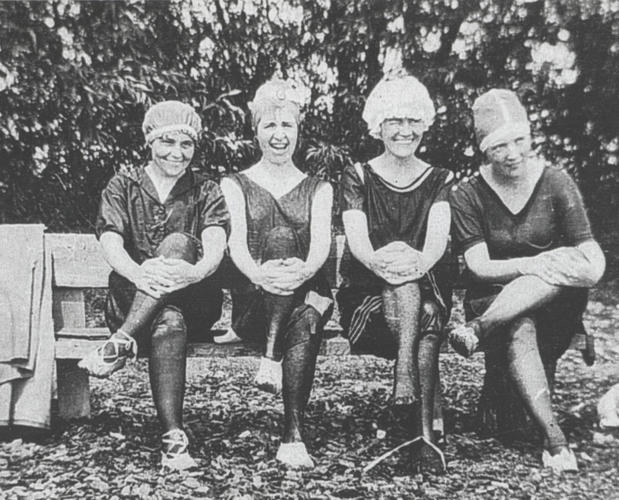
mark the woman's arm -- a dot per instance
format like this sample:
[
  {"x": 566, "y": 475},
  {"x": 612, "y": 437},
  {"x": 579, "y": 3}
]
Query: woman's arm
[
  {"x": 146, "y": 277},
  {"x": 439, "y": 222},
  {"x": 479, "y": 263},
  {"x": 358, "y": 237},
  {"x": 320, "y": 230},
  {"x": 597, "y": 262},
  {"x": 237, "y": 242}
]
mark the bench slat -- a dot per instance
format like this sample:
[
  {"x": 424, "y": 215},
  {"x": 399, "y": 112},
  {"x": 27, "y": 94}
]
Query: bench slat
[{"x": 75, "y": 348}]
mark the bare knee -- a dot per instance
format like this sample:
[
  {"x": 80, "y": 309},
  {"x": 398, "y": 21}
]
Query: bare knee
[
  {"x": 179, "y": 246},
  {"x": 170, "y": 323}
]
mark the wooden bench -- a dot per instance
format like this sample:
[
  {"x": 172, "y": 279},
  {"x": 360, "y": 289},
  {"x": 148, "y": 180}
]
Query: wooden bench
[{"x": 78, "y": 265}]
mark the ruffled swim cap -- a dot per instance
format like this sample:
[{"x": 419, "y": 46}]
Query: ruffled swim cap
[
  {"x": 404, "y": 97},
  {"x": 171, "y": 116}
]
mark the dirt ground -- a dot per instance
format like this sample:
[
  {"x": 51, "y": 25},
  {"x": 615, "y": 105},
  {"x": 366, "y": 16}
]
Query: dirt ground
[{"x": 234, "y": 429}]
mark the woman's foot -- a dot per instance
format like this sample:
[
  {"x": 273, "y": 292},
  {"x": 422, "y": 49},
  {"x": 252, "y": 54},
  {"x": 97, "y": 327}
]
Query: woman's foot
[
  {"x": 563, "y": 460},
  {"x": 110, "y": 357},
  {"x": 464, "y": 339},
  {"x": 230, "y": 337},
  {"x": 294, "y": 455},
  {"x": 175, "y": 455},
  {"x": 269, "y": 376}
]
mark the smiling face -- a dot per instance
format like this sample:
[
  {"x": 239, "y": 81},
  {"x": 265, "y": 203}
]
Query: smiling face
[
  {"x": 277, "y": 133},
  {"x": 508, "y": 158},
  {"x": 171, "y": 154},
  {"x": 401, "y": 136}
]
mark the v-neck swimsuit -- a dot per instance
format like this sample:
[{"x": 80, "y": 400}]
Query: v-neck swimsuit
[
  {"x": 554, "y": 216},
  {"x": 264, "y": 212}
]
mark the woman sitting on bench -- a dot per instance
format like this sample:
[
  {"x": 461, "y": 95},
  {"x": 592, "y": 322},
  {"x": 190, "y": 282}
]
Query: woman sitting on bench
[
  {"x": 162, "y": 229},
  {"x": 280, "y": 239},
  {"x": 531, "y": 257},
  {"x": 396, "y": 217}
]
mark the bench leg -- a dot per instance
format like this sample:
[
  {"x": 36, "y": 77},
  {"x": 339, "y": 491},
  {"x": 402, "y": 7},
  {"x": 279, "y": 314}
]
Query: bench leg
[{"x": 73, "y": 390}]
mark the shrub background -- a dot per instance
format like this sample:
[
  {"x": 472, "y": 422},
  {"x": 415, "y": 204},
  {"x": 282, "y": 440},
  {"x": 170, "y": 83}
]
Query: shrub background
[{"x": 76, "y": 78}]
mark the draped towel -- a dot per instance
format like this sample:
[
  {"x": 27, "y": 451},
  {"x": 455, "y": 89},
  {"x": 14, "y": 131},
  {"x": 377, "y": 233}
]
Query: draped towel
[{"x": 26, "y": 327}]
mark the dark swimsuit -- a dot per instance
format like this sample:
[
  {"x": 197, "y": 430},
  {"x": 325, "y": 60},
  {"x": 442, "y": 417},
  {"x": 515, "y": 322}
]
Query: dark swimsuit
[
  {"x": 393, "y": 214},
  {"x": 554, "y": 216},
  {"x": 264, "y": 212}
]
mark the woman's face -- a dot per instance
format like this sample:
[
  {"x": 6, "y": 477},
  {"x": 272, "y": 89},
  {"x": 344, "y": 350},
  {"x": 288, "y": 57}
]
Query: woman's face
[
  {"x": 277, "y": 134},
  {"x": 171, "y": 154},
  {"x": 401, "y": 136},
  {"x": 509, "y": 158}
]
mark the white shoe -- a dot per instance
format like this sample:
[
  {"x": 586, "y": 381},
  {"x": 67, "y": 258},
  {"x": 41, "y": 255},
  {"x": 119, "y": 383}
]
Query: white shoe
[
  {"x": 176, "y": 457},
  {"x": 269, "y": 376},
  {"x": 230, "y": 337},
  {"x": 565, "y": 460},
  {"x": 463, "y": 340},
  {"x": 294, "y": 455},
  {"x": 98, "y": 364}
]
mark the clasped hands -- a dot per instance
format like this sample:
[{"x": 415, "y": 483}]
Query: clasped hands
[
  {"x": 563, "y": 266},
  {"x": 282, "y": 276},
  {"x": 398, "y": 263},
  {"x": 161, "y": 275}
]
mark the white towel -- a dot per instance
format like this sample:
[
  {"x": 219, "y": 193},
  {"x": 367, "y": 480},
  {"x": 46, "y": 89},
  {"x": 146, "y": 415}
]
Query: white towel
[{"x": 26, "y": 327}]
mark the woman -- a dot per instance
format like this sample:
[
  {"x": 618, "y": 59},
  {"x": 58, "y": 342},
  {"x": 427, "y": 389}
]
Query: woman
[
  {"x": 280, "y": 239},
  {"x": 162, "y": 229},
  {"x": 531, "y": 256},
  {"x": 396, "y": 218}
]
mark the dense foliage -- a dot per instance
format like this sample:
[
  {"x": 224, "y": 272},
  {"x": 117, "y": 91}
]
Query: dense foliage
[{"x": 76, "y": 77}]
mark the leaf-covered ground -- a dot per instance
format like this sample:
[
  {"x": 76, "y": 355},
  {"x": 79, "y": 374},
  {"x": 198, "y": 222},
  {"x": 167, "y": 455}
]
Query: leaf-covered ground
[{"x": 235, "y": 433}]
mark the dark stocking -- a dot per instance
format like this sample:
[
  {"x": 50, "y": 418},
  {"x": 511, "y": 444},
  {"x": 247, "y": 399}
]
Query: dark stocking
[
  {"x": 401, "y": 305},
  {"x": 298, "y": 366},
  {"x": 144, "y": 307},
  {"x": 280, "y": 243},
  {"x": 167, "y": 366}
]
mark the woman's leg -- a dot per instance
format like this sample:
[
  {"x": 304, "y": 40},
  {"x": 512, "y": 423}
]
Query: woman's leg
[
  {"x": 401, "y": 306},
  {"x": 527, "y": 373},
  {"x": 299, "y": 364},
  {"x": 167, "y": 366},
  {"x": 144, "y": 307},
  {"x": 427, "y": 362},
  {"x": 518, "y": 297},
  {"x": 280, "y": 243}
]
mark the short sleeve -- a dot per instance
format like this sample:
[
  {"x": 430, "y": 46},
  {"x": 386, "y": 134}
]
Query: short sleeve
[
  {"x": 353, "y": 195},
  {"x": 214, "y": 209},
  {"x": 467, "y": 227},
  {"x": 574, "y": 223},
  {"x": 113, "y": 211}
]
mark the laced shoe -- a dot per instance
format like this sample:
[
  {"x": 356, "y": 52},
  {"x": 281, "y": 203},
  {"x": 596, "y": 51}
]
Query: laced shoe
[
  {"x": 175, "y": 455},
  {"x": 464, "y": 340},
  {"x": 99, "y": 364}
]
